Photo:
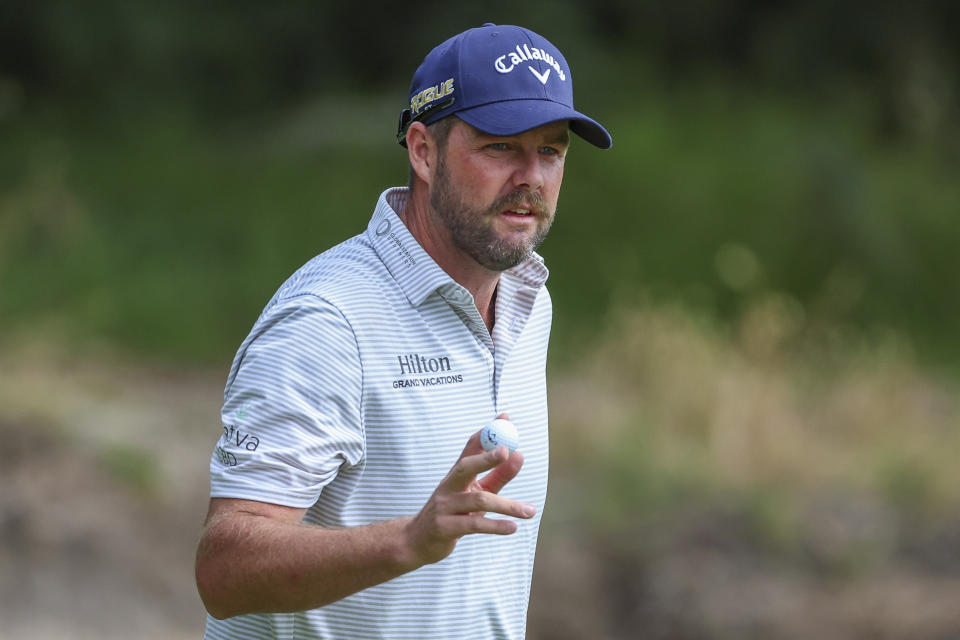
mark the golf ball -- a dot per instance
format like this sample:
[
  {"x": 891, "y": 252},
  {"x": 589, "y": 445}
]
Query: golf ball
[{"x": 499, "y": 432}]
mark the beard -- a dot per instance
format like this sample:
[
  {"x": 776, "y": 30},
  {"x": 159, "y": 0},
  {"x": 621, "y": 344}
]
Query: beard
[{"x": 473, "y": 228}]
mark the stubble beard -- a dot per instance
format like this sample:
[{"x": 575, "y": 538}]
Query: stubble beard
[{"x": 472, "y": 229}]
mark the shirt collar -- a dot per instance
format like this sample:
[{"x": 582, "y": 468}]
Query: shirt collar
[{"x": 414, "y": 270}]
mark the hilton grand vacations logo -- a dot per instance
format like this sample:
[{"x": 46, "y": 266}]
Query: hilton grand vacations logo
[{"x": 425, "y": 371}]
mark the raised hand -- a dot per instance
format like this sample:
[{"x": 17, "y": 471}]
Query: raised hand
[{"x": 461, "y": 500}]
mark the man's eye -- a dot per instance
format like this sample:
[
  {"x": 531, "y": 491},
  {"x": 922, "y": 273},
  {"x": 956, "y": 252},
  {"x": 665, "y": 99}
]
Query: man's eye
[
  {"x": 498, "y": 146},
  {"x": 550, "y": 151}
]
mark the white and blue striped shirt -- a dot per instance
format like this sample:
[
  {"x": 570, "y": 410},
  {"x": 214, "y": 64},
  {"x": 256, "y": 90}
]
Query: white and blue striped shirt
[{"x": 353, "y": 396}]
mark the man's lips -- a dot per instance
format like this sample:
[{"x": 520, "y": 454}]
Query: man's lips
[
  {"x": 519, "y": 213},
  {"x": 521, "y": 207}
]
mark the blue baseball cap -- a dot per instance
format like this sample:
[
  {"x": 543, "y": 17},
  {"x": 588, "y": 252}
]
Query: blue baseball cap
[{"x": 503, "y": 80}]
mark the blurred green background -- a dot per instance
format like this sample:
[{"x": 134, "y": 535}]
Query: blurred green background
[{"x": 754, "y": 360}]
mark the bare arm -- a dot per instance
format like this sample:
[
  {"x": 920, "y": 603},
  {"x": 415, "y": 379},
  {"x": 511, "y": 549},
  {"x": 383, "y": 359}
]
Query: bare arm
[{"x": 255, "y": 557}]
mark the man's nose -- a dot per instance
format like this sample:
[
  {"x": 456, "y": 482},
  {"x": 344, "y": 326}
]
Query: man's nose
[{"x": 528, "y": 174}]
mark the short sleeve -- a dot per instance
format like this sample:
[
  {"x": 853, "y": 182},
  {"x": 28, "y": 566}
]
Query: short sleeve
[{"x": 291, "y": 414}]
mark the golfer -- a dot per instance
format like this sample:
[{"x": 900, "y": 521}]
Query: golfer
[{"x": 350, "y": 496}]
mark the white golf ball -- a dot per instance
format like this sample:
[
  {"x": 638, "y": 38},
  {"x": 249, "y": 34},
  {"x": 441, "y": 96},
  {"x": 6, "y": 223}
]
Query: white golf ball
[{"x": 499, "y": 432}]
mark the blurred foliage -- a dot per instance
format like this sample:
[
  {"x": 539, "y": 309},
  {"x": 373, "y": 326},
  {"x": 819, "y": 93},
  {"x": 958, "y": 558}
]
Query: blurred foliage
[
  {"x": 164, "y": 166},
  {"x": 669, "y": 412},
  {"x": 133, "y": 468},
  {"x": 256, "y": 53}
]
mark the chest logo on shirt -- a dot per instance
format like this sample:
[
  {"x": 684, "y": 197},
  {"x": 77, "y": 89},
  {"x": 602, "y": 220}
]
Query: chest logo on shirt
[{"x": 417, "y": 370}]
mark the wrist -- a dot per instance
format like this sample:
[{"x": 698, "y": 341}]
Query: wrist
[{"x": 405, "y": 550}]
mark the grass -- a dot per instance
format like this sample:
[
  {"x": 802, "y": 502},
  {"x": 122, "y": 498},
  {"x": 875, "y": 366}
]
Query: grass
[
  {"x": 165, "y": 235},
  {"x": 672, "y": 409},
  {"x": 130, "y": 467}
]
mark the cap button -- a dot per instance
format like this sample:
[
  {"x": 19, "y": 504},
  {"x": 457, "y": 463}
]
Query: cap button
[{"x": 489, "y": 24}]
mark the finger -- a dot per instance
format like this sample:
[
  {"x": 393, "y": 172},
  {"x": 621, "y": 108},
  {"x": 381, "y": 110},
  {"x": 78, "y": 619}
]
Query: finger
[
  {"x": 503, "y": 473},
  {"x": 466, "y": 469},
  {"x": 473, "y": 446},
  {"x": 485, "y": 502},
  {"x": 461, "y": 525}
]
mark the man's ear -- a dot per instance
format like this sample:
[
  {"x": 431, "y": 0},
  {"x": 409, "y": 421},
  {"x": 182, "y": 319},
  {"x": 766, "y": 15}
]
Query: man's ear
[{"x": 422, "y": 151}]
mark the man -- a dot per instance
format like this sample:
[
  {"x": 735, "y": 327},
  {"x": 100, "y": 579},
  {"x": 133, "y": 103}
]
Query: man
[{"x": 349, "y": 479}]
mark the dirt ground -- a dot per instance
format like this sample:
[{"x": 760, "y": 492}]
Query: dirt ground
[
  {"x": 104, "y": 493},
  {"x": 105, "y": 489}
]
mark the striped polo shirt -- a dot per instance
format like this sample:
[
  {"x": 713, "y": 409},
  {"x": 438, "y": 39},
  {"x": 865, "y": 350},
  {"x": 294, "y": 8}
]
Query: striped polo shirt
[{"x": 353, "y": 396}]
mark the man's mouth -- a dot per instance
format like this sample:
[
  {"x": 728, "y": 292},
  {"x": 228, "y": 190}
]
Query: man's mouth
[
  {"x": 521, "y": 207},
  {"x": 519, "y": 212}
]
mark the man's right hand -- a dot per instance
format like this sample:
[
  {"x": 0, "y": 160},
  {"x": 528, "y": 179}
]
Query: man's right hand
[{"x": 460, "y": 502}]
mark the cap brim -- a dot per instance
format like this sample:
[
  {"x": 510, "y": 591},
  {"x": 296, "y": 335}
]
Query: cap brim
[{"x": 510, "y": 117}]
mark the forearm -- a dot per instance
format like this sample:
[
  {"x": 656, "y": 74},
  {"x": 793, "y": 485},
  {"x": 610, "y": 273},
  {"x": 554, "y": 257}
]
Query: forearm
[
  {"x": 256, "y": 557},
  {"x": 248, "y": 563}
]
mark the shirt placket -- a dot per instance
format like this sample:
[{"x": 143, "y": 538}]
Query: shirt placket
[
  {"x": 514, "y": 305},
  {"x": 462, "y": 303}
]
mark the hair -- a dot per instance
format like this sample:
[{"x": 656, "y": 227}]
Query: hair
[{"x": 440, "y": 131}]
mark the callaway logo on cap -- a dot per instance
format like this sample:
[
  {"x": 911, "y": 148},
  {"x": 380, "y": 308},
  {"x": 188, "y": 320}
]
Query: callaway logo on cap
[{"x": 503, "y": 80}]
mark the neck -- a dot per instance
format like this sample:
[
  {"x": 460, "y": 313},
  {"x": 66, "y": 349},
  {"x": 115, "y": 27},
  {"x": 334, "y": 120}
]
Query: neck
[{"x": 436, "y": 240}]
